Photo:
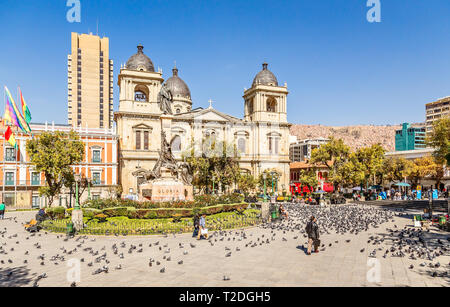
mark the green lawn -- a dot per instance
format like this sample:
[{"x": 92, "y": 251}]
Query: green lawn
[{"x": 124, "y": 225}]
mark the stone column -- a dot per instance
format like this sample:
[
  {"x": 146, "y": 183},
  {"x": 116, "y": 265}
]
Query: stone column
[{"x": 265, "y": 211}]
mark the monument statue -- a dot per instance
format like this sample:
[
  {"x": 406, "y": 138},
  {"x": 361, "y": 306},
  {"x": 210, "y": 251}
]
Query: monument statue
[
  {"x": 186, "y": 173},
  {"x": 168, "y": 181},
  {"x": 166, "y": 158},
  {"x": 165, "y": 100}
]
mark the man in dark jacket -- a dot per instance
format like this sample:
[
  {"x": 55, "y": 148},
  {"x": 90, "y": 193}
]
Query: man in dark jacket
[
  {"x": 313, "y": 235},
  {"x": 196, "y": 225}
]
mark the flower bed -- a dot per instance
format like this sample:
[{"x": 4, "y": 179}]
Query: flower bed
[{"x": 125, "y": 226}]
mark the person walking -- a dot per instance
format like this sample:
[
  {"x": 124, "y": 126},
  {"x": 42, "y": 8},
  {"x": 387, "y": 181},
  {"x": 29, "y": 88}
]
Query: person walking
[
  {"x": 2, "y": 210},
  {"x": 312, "y": 229},
  {"x": 196, "y": 225},
  {"x": 202, "y": 228}
]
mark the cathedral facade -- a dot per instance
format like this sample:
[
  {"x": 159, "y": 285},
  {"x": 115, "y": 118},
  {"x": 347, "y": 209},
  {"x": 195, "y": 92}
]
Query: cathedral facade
[{"x": 261, "y": 137}]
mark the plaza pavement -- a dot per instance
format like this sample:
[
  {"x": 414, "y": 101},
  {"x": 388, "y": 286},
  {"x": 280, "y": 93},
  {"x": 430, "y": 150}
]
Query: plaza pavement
[{"x": 278, "y": 264}]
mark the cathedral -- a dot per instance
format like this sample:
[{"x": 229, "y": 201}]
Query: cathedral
[{"x": 261, "y": 137}]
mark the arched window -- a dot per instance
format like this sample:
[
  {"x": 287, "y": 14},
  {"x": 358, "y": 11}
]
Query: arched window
[
  {"x": 241, "y": 145},
  {"x": 141, "y": 93},
  {"x": 178, "y": 111},
  {"x": 271, "y": 104},
  {"x": 176, "y": 144}
]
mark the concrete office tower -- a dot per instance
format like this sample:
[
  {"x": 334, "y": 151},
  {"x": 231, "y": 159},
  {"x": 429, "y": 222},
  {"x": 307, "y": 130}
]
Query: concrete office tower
[{"x": 90, "y": 82}]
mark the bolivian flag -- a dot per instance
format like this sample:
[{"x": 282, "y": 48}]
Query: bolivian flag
[
  {"x": 26, "y": 111},
  {"x": 10, "y": 137}
]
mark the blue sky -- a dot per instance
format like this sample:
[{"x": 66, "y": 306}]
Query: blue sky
[{"x": 340, "y": 69}]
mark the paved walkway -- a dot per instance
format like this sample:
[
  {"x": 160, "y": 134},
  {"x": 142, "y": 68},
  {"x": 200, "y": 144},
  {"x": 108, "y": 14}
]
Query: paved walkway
[{"x": 279, "y": 263}]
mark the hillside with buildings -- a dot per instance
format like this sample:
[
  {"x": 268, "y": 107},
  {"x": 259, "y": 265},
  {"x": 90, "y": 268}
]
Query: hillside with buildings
[{"x": 354, "y": 136}]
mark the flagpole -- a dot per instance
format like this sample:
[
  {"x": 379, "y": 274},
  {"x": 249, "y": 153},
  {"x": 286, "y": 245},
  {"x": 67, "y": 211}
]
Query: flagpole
[{"x": 4, "y": 149}]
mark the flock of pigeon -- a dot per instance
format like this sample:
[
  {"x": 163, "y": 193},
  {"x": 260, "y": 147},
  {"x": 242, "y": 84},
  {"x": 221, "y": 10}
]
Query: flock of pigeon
[{"x": 413, "y": 244}]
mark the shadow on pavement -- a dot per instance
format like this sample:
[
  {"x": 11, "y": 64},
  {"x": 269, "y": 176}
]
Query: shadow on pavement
[{"x": 15, "y": 277}]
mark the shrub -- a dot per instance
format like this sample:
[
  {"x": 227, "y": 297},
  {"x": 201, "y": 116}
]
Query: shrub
[
  {"x": 118, "y": 211},
  {"x": 56, "y": 212},
  {"x": 90, "y": 213},
  {"x": 101, "y": 217},
  {"x": 69, "y": 211}
]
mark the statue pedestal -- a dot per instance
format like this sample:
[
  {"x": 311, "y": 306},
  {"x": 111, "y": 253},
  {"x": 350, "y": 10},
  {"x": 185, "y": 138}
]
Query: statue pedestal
[
  {"x": 77, "y": 219},
  {"x": 166, "y": 188}
]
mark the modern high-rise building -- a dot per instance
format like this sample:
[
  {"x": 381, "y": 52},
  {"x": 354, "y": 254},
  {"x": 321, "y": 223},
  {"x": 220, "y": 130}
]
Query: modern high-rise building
[
  {"x": 410, "y": 138},
  {"x": 436, "y": 110},
  {"x": 90, "y": 82},
  {"x": 300, "y": 151}
]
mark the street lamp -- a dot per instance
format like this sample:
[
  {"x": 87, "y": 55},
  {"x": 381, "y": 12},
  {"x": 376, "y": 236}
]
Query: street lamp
[
  {"x": 265, "y": 188},
  {"x": 272, "y": 174},
  {"x": 213, "y": 189},
  {"x": 77, "y": 202}
]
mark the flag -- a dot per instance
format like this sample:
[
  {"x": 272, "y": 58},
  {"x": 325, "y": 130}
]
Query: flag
[
  {"x": 10, "y": 137},
  {"x": 25, "y": 110},
  {"x": 22, "y": 124},
  {"x": 10, "y": 116}
]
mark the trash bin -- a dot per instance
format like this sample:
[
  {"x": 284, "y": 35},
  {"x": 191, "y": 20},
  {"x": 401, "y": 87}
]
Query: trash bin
[{"x": 69, "y": 228}]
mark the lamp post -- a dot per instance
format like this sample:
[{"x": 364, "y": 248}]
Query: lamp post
[
  {"x": 272, "y": 174},
  {"x": 77, "y": 213},
  {"x": 265, "y": 187},
  {"x": 89, "y": 188},
  {"x": 77, "y": 202},
  {"x": 213, "y": 189}
]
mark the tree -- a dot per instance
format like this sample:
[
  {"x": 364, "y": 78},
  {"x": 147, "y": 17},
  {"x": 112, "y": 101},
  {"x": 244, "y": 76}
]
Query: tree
[
  {"x": 217, "y": 165},
  {"x": 421, "y": 168},
  {"x": 53, "y": 153},
  {"x": 308, "y": 177},
  {"x": 439, "y": 139},
  {"x": 371, "y": 160},
  {"x": 247, "y": 183},
  {"x": 395, "y": 169},
  {"x": 333, "y": 155}
]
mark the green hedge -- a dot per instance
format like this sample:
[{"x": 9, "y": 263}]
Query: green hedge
[
  {"x": 200, "y": 201},
  {"x": 158, "y": 213}
]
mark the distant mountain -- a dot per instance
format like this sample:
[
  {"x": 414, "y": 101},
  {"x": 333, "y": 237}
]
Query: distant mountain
[{"x": 353, "y": 136}]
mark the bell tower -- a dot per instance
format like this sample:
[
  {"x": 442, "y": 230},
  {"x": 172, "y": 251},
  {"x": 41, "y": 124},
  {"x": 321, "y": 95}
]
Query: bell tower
[
  {"x": 139, "y": 85},
  {"x": 266, "y": 101}
]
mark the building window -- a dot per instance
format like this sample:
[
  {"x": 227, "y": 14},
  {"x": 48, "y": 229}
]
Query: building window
[
  {"x": 273, "y": 145},
  {"x": 96, "y": 178},
  {"x": 140, "y": 96},
  {"x": 271, "y": 105},
  {"x": 35, "y": 178},
  {"x": 9, "y": 199},
  {"x": 138, "y": 140},
  {"x": 96, "y": 156},
  {"x": 178, "y": 111},
  {"x": 10, "y": 154},
  {"x": 241, "y": 145},
  {"x": 9, "y": 178},
  {"x": 35, "y": 202},
  {"x": 95, "y": 196},
  {"x": 176, "y": 144},
  {"x": 145, "y": 140}
]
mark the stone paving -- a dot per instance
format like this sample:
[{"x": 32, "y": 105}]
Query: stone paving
[{"x": 280, "y": 263}]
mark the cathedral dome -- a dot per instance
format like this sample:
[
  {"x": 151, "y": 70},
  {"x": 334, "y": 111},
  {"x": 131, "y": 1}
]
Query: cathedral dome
[
  {"x": 140, "y": 61},
  {"x": 265, "y": 77},
  {"x": 177, "y": 86}
]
